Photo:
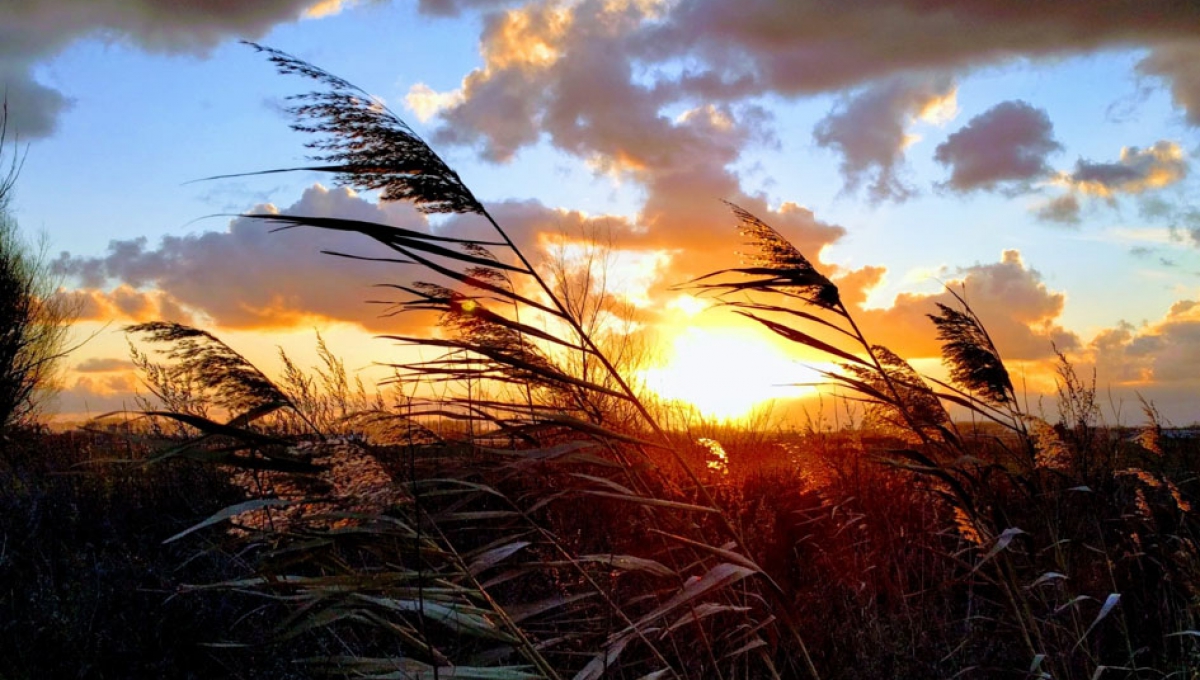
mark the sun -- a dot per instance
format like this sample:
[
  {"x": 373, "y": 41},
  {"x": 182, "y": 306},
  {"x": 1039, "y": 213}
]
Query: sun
[{"x": 727, "y": 372}]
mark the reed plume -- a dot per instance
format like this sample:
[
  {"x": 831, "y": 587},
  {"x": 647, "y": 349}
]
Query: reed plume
[
  {"x": 366, "y": 145},
  {"x": 968, "y": 351}
]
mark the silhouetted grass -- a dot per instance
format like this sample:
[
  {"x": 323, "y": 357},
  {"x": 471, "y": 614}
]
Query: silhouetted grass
[{"x": 90, "y": 591}]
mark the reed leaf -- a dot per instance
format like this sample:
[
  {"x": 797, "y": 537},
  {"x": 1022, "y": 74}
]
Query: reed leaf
[
  {"x": 384, "y": 233},
  {"x": 231, "y": 512},
  {"x": 803, "y": 338}
]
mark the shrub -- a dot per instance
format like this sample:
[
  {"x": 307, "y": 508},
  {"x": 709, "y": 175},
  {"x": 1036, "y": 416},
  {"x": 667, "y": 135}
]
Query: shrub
[{"x": 34, "y": 317}]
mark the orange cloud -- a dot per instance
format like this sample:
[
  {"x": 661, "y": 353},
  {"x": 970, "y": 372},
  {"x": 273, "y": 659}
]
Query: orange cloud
[
  {"x": 589, "y": 104},
  {"x": 1137, "y": 171},
  {"x": 1164, "y": 352},
  {"x": 1019, "y": 312},
  {"x": 249, "y": 277},
  {"x": 856, "y": 285},
  {"x": 1157, "y": 361},
  {"x": 530, "y": 37},
  {"x": 126, "y": 303},
  {"x": 326, "y": 8},
  {"x": 89, "y": 396}
]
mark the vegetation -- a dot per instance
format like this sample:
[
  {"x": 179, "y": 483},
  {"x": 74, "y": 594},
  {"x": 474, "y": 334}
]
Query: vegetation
[
  {"x": 517, "y": 507},
  {"x": 34, "y": 318}
]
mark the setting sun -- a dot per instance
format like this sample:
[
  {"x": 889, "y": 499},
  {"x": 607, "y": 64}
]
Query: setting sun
[{"x": 727, "y": 372}]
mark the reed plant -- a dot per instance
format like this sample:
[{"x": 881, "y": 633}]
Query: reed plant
[
  {"x": 484, "y": 565},
  {"x": 1057, "y": 546}
]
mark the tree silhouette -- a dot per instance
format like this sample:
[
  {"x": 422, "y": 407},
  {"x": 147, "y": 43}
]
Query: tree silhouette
[{"x": 35, "y": 317}]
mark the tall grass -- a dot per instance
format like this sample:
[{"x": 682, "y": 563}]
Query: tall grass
[
  {"x": 1052, "y": 530},
  {"x": 539, "y": 518},
  {"x": 89, "y": 589}
]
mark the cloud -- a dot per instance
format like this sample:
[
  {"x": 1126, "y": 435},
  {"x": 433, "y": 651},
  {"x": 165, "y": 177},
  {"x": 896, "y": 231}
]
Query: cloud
[
  {"x": 595, "y": 78},
  {"x": 791, "y": 47},
  {"x": 500, "y": 104},
  {"x": 1181, "y": 219},
  {"x": 1061, "y": 209},
  {"x": 1020, "y": 313},
  {"x": 326, "y": 8},
  {"x": 103, "y": 365},
  {"x": 33, "y": 108},
  {"x": 1159, "y": 361},
  {"x": 1005, "y": 145},
  {"x": 246, "y": 276},
  {"x": 870, "y": 131},
  {"x": 451, "y": 8},
  {"x": 805, "y": 46},
  {"x": 426, "y": 102},
  {"x": 89, "y": 396},
  {"x": 34, "y": 30},
  {"x": 1137, "y": 171},
  {"x": 126, "y": 303},
  {"x": 855, "y": 285},
  {"x": 567, "y": 75},
  {"x": 1176, "y": 63}
]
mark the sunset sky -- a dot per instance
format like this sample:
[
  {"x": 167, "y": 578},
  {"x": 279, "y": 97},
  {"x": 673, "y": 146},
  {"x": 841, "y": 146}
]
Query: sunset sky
[{"x": 1041, "y": 153}]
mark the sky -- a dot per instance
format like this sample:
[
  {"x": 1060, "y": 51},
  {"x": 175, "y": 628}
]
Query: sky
[{"x": 1039, "y": 154}]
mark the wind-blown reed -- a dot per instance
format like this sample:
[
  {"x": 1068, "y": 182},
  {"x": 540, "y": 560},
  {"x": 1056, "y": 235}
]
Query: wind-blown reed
[{"x": 472, "y": 575}]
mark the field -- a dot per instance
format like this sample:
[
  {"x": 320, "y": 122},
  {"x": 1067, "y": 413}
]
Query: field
[{"x": 879, "y": 571}]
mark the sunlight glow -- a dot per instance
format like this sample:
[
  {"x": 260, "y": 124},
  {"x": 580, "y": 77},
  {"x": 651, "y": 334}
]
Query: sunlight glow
[
  {"x": 528, "y": 38},
  {"x": 626, "y": 274},
  {"x": 719, "y": 460},
  {"x": 940, "y": 110},
  {"x": 425, "y": 102},
  {"x": 324, "y": 8},
  {"x": 727, "y": 372},
  {"x": 688, "y": 305}
]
